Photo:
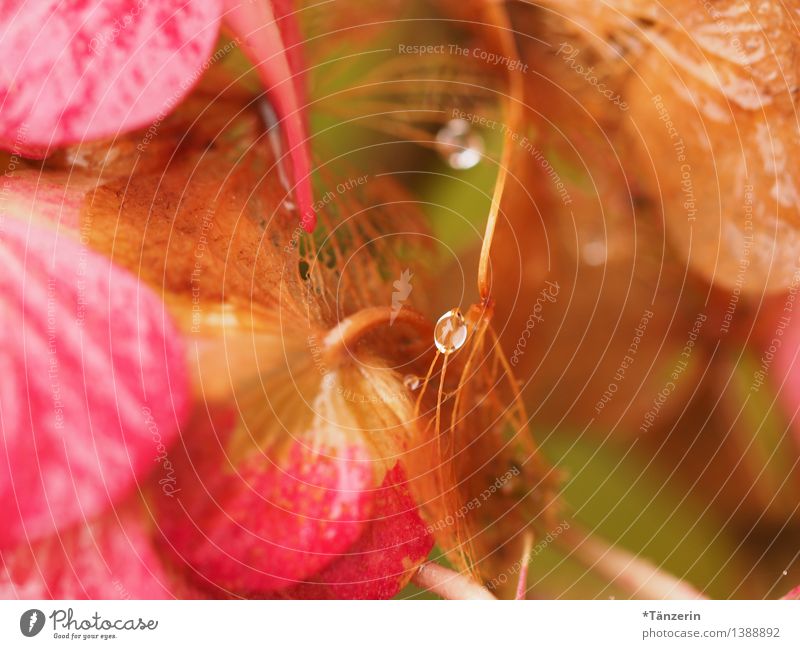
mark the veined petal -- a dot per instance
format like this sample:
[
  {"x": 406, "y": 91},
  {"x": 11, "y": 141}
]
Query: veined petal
[
  {"x": 262, "y": 523},
  {"x": 272, "y": 39},
  {"x": 110, "y": 558},
  {"x": 94, "y": 382},
  {"x": 77, "y": 71},
  {"x": 382, "y": 561}
]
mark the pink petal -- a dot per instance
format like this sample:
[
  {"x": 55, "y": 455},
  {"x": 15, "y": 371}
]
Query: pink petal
[
  {"x": 93, "y": 384},
  {"x": 262, "y": 524},
  {"x": 780, "y": 365},
  {"x": 111, "y": 558},
  {"x": 382, "y": 561},
  {"x": 85, "y": 70},
  {"x": 271, "y": 36}
]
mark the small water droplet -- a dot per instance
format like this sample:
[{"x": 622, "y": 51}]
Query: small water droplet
[
  {"x": 594, "y": 253},
  {"x": 450, "y": 332},
  {"x": 785, "y": 572},
  {"x": 459, "y": 145},
  {"x": 412, "y": 382}
]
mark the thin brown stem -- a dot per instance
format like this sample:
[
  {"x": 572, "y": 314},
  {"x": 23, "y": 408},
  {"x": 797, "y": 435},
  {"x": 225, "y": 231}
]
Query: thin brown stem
[
  {"x": 516, "y": 89},
  {"x": 425, "y": 384}
]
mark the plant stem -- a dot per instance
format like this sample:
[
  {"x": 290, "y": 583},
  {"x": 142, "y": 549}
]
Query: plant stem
[
  {"x": 522, "y": 583},
  {"x": 448, "y": 584},
  {"x": 638, "y": 577},
  {"x": 516, "y": 91}
]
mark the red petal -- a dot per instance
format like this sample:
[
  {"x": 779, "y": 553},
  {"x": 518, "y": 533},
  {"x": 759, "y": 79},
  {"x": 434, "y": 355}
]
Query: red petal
[
  {"x": 383, "y": 559},
  {"x": 274, "y": 46},
  {"x": 91, "y": 69},
  {"x": 94, "y": 380},
  {"x": 261, "y": 525},
  {"x": 111, "y": 558},
  {"x": 793, "y": 594}
]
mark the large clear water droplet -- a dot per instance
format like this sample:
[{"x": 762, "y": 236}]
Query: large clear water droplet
[
  {"x": 459, "y": 145},
  {"x": 450, "y": 332}
]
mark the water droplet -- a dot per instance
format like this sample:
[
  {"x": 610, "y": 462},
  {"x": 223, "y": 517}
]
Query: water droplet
[
  {"x": 785, "y": 572},
  {"x": 412, "y": 382},
  {"x": 450, "y": 332},
  {"x": 594, "y": 253},
  {"x": 459, "y": 145}
]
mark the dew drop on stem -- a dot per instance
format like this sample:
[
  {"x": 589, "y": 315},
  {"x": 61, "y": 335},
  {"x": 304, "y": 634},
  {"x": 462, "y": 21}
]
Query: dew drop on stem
[
  {"x": 459, "y": 145},
  {"x": 450, "y": 332}
]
